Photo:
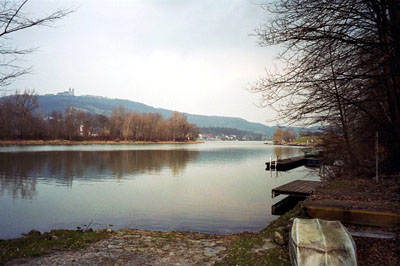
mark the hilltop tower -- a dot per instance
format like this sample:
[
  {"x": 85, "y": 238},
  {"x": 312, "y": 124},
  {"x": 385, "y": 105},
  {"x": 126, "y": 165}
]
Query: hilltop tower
[{"x": 69, "y": 92}]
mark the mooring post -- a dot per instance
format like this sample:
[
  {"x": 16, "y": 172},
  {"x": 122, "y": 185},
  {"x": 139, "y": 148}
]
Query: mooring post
[
  {"x": 270, "y": 162},
  {"x": 377, "y": 157},
  {"x": 321, "y": 169}
]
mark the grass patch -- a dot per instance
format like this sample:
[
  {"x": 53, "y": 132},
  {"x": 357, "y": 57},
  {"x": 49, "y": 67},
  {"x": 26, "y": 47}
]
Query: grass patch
[
  {"x": 241, "y": 251},
  {"x": 307, "y": 139},
  {"x": 35, "y": 245}
]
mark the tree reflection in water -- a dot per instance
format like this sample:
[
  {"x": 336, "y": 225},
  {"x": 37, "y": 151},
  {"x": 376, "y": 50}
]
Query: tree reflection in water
[
  {"x": 20, "y": 171},
  {"x": 284, "y": 152}
]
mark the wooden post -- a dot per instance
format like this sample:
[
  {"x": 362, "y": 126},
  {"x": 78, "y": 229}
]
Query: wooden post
[
  {"x": 377, "y": 157},
  {"x": 270, "y": 162}
]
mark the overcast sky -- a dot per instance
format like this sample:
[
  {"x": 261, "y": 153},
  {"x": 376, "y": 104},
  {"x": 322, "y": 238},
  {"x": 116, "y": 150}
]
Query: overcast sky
[{"x": 187, "y": 55}]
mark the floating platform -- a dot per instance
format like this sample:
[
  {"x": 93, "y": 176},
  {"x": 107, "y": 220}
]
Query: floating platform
[
  {"x": 308, "y": 159},
  {"x": 297, "y": 188},
  {"x": 328, "y": 209},
  {"x": 286, "y": 164},
  {"x": 313, "y": 162}
]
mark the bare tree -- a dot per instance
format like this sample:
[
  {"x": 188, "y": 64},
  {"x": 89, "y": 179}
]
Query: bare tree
[
  {"x": 117, "y": 120},
  {"x": 17, "y": 115},
  {"x": 24, "y": 106},
  {"x": 179, "y": 126},
  {"x": 278, "y": 136},
  {"x": 289, "y": 135},
  {"x": 342, "y": 69},
  {"x": 14, "y": 19}
]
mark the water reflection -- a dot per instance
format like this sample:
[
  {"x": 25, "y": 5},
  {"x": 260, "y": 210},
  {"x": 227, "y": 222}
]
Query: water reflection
[
  {"x": 284, "y": 152},
  {"x": 19, "y": 172},
  {"x": 213, "y": 187}
]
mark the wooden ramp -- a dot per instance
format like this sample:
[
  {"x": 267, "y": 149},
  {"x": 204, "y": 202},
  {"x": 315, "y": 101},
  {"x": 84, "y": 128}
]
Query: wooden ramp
[{"x": 297, "y": 188}]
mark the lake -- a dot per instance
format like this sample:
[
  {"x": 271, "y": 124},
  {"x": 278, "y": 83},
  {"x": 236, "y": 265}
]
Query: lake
[{"x": 214, "y": 187}]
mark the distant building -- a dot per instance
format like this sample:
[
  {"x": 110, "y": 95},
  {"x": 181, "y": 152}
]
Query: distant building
[
  {"x": 206, "y": 137},
  {"x": 70, "y": 92}
]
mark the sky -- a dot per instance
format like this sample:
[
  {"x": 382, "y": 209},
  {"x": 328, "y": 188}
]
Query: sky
[{"x": 191, "y": 56}]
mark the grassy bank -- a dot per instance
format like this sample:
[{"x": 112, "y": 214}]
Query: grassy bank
[
  {"x": 247, "y": 248},
  {"x": 87, "y": 142},
  {"x": 36, "y": 244},
  {"x": 307, "y": 140},
  {"x": 244, "y": 249}
]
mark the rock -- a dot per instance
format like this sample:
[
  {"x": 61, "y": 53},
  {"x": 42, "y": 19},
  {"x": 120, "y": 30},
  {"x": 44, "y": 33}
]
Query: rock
[
  {"x": 89, "y": 230},
  {"x": 288, "y": 228},
  {"x": 111, "y": 246},
  {"x": 267, "y": 245},
  {"x": 34, "y": 233},
  {"x": 208, "y": 243},
  {"x": 278, "y": 238},
  {"x": 210, "y": 252},
  {"x": 108, "y": 230}
]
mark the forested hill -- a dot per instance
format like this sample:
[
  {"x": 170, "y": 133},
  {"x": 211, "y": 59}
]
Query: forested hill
[{"x": 102, "y": 105}]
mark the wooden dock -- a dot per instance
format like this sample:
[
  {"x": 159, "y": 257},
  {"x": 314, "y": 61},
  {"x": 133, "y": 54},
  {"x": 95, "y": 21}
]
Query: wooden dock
[
  {"x": 285, "y": 205},
  {"x": 297, "y": 188}
]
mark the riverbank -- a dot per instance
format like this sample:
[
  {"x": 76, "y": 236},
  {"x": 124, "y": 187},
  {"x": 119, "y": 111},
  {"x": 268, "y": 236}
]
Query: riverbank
[
  {"x": 88, "y": 142},
  {"x": 137, "y": 247},
  {"x": 267, "y": 247}
]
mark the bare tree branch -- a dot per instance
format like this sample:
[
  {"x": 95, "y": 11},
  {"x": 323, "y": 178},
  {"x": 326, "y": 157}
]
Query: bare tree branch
[{"x": 12, "y": 20}]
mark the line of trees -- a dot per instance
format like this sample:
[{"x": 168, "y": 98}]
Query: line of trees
[
  {"x": 19, "y": 119},
  {"x": 342, "y": 72}
]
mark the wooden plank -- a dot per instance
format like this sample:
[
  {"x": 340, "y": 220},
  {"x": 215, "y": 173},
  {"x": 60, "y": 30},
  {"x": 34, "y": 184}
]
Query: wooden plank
[
  {"x": 332, "y": 210},
  {"x": 301, "y": 188},
  {"x": 373, "y": 234}
]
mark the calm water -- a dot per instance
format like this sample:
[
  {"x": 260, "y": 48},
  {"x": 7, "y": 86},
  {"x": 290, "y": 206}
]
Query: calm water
[{"x": 216, "y": 187}]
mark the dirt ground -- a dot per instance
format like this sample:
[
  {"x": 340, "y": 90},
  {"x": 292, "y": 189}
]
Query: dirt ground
[
  {"x": 361, "y": 192},
  {"x": 372, "y": 251}
]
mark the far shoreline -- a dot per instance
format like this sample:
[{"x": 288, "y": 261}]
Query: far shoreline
[{"x": 89, "y": 142}]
